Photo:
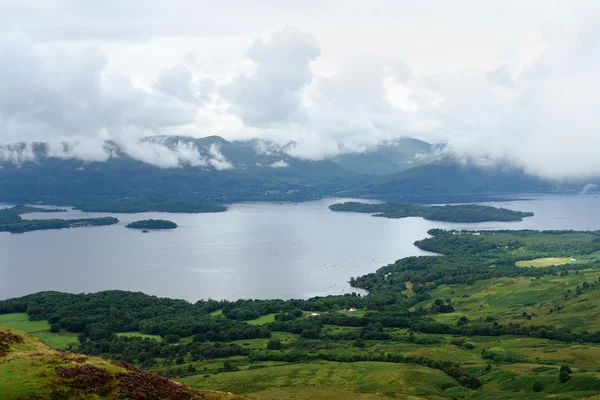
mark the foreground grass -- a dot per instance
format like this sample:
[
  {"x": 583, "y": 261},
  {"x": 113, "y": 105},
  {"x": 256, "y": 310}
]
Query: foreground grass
[
  {"x": 330, "y": 380},
  {"x": 29, "y": 369}
]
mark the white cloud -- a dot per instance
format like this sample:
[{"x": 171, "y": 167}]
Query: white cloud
[
  {"x": 17, "y": 153},
  {"x": 218, "y": 160},
  {"x": 273, "y": 93},
  {"x": 544, "y": 119},
  {"x": 279, "y": 164},
  {"x": 88, "y": 150},
  {"x": 493, "y": 79},
  {"x": 47, "y": 93}
]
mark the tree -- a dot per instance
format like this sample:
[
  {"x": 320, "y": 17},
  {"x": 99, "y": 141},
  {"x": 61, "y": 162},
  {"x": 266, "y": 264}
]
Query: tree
[
  {"x": 54, "y": 328},
  {"x": 171, "y": 339},
  {"x": 563, "y": 376},
  {"x": 227, "y": 366},
  {"x": 537, "y": 386},
  {"x": 566, "y": 369},
  {"x": 82, "y": 338},
  {"x": 274, "y": 344}
]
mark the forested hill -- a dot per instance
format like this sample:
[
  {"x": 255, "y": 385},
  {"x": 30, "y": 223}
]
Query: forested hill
[
  {"x": 209, "y": 170},
  {"x": 449, "y": 181},
  {"x": 176, "y": 168},
  {"x": 457, "y": 213},
  {"x": 389, "y": 158},
  {"x": 212, "y": 170}
]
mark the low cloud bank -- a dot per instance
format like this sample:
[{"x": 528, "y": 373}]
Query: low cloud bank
[{"x": 538, "y": 114}]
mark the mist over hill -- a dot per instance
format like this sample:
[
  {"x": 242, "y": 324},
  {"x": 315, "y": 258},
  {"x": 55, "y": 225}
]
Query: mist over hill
[{"x": 212, "y": 169}]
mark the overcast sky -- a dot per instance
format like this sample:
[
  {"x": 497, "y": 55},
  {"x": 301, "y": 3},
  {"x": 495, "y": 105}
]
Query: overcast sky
[{"x": 495, "y": 79}]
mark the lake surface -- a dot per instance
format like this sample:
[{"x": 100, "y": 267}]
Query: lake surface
[{"x": 254, "y": 250}]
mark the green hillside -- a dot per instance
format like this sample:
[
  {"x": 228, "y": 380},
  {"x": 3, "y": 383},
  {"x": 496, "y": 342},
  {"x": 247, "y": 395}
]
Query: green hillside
[{"x": 30, "y": 369}]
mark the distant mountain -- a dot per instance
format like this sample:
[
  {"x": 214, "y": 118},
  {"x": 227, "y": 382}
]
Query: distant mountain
[
  {"x": 209, "y": 169},
  {"x": 390, "y": 157},
  {"x": 447, "y": 180},
  {"x": 213, "y": 170}
]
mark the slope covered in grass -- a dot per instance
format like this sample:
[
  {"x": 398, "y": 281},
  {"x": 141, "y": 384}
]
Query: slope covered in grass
[{"x": 31, "y": 369}]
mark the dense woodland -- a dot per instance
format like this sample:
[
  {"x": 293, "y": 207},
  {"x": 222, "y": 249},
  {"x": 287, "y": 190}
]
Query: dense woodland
[
  {"x": 152, "y": 224},
  {"x": 143, "y": 203},
  {"x": 449, "y": 213}
]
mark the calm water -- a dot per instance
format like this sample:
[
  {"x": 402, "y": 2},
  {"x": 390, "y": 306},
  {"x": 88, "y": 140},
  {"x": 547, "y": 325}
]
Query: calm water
[{"x": 255, "y": 250}]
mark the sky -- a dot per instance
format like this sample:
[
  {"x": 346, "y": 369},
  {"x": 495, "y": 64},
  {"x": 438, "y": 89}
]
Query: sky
[{"x": 496, "y": 80}]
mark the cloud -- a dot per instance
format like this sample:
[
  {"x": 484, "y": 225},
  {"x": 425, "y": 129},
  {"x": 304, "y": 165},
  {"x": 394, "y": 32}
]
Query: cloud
[
  {"x": 179, "y": 82},
  {"x": 531, "y": 105},
  {"x": 88, "y": 150},
  {"x": 157, "y": 153},
  {"x": 17, "y": 153},
  {"x": 218, "y": 160},
  {"x": 47, "y": 94},
  {"x": 543, "y": 119},
  {"x": 273, "y": 93},
  {"x": 279, "y": 164}
]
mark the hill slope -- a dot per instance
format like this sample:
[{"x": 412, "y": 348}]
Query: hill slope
[
  {"x": 450, "y": 181},
  {"x": 388, "y": 158},
  {"x": 30, "y": 369}
]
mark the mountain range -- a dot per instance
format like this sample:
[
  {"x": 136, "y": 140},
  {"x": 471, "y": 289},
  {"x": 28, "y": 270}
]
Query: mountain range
[{"x": 215, "y": 170}]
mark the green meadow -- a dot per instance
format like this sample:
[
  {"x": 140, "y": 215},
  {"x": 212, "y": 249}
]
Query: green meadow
[
  {"x": 544, "y": 262},
  {"x": 40, "y": 329}
]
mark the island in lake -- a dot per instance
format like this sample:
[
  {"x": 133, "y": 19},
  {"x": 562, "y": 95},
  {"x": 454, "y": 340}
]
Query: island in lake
[
  {"x": 11, "y": 221},
  {"x": 150, "y": 203},
  {"x": 147, "y": 224},
  {"x": 455, "y": 213}
]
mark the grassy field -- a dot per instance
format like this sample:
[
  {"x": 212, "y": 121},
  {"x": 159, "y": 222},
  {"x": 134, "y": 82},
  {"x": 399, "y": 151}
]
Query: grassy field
[
  {"x": 544, "y": 262},
  {"x": 40, "y": 329},
  {"x": 329, "y": 380},
  {"x": 21, "y": 322},
  {"x": 506, "y": 299},
  {"x": 265, "y": 319}
]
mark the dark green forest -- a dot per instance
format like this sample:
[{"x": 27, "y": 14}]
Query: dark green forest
[
  {"x": 152, "y": 224},
  {"x": 449, "y": 213}
]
